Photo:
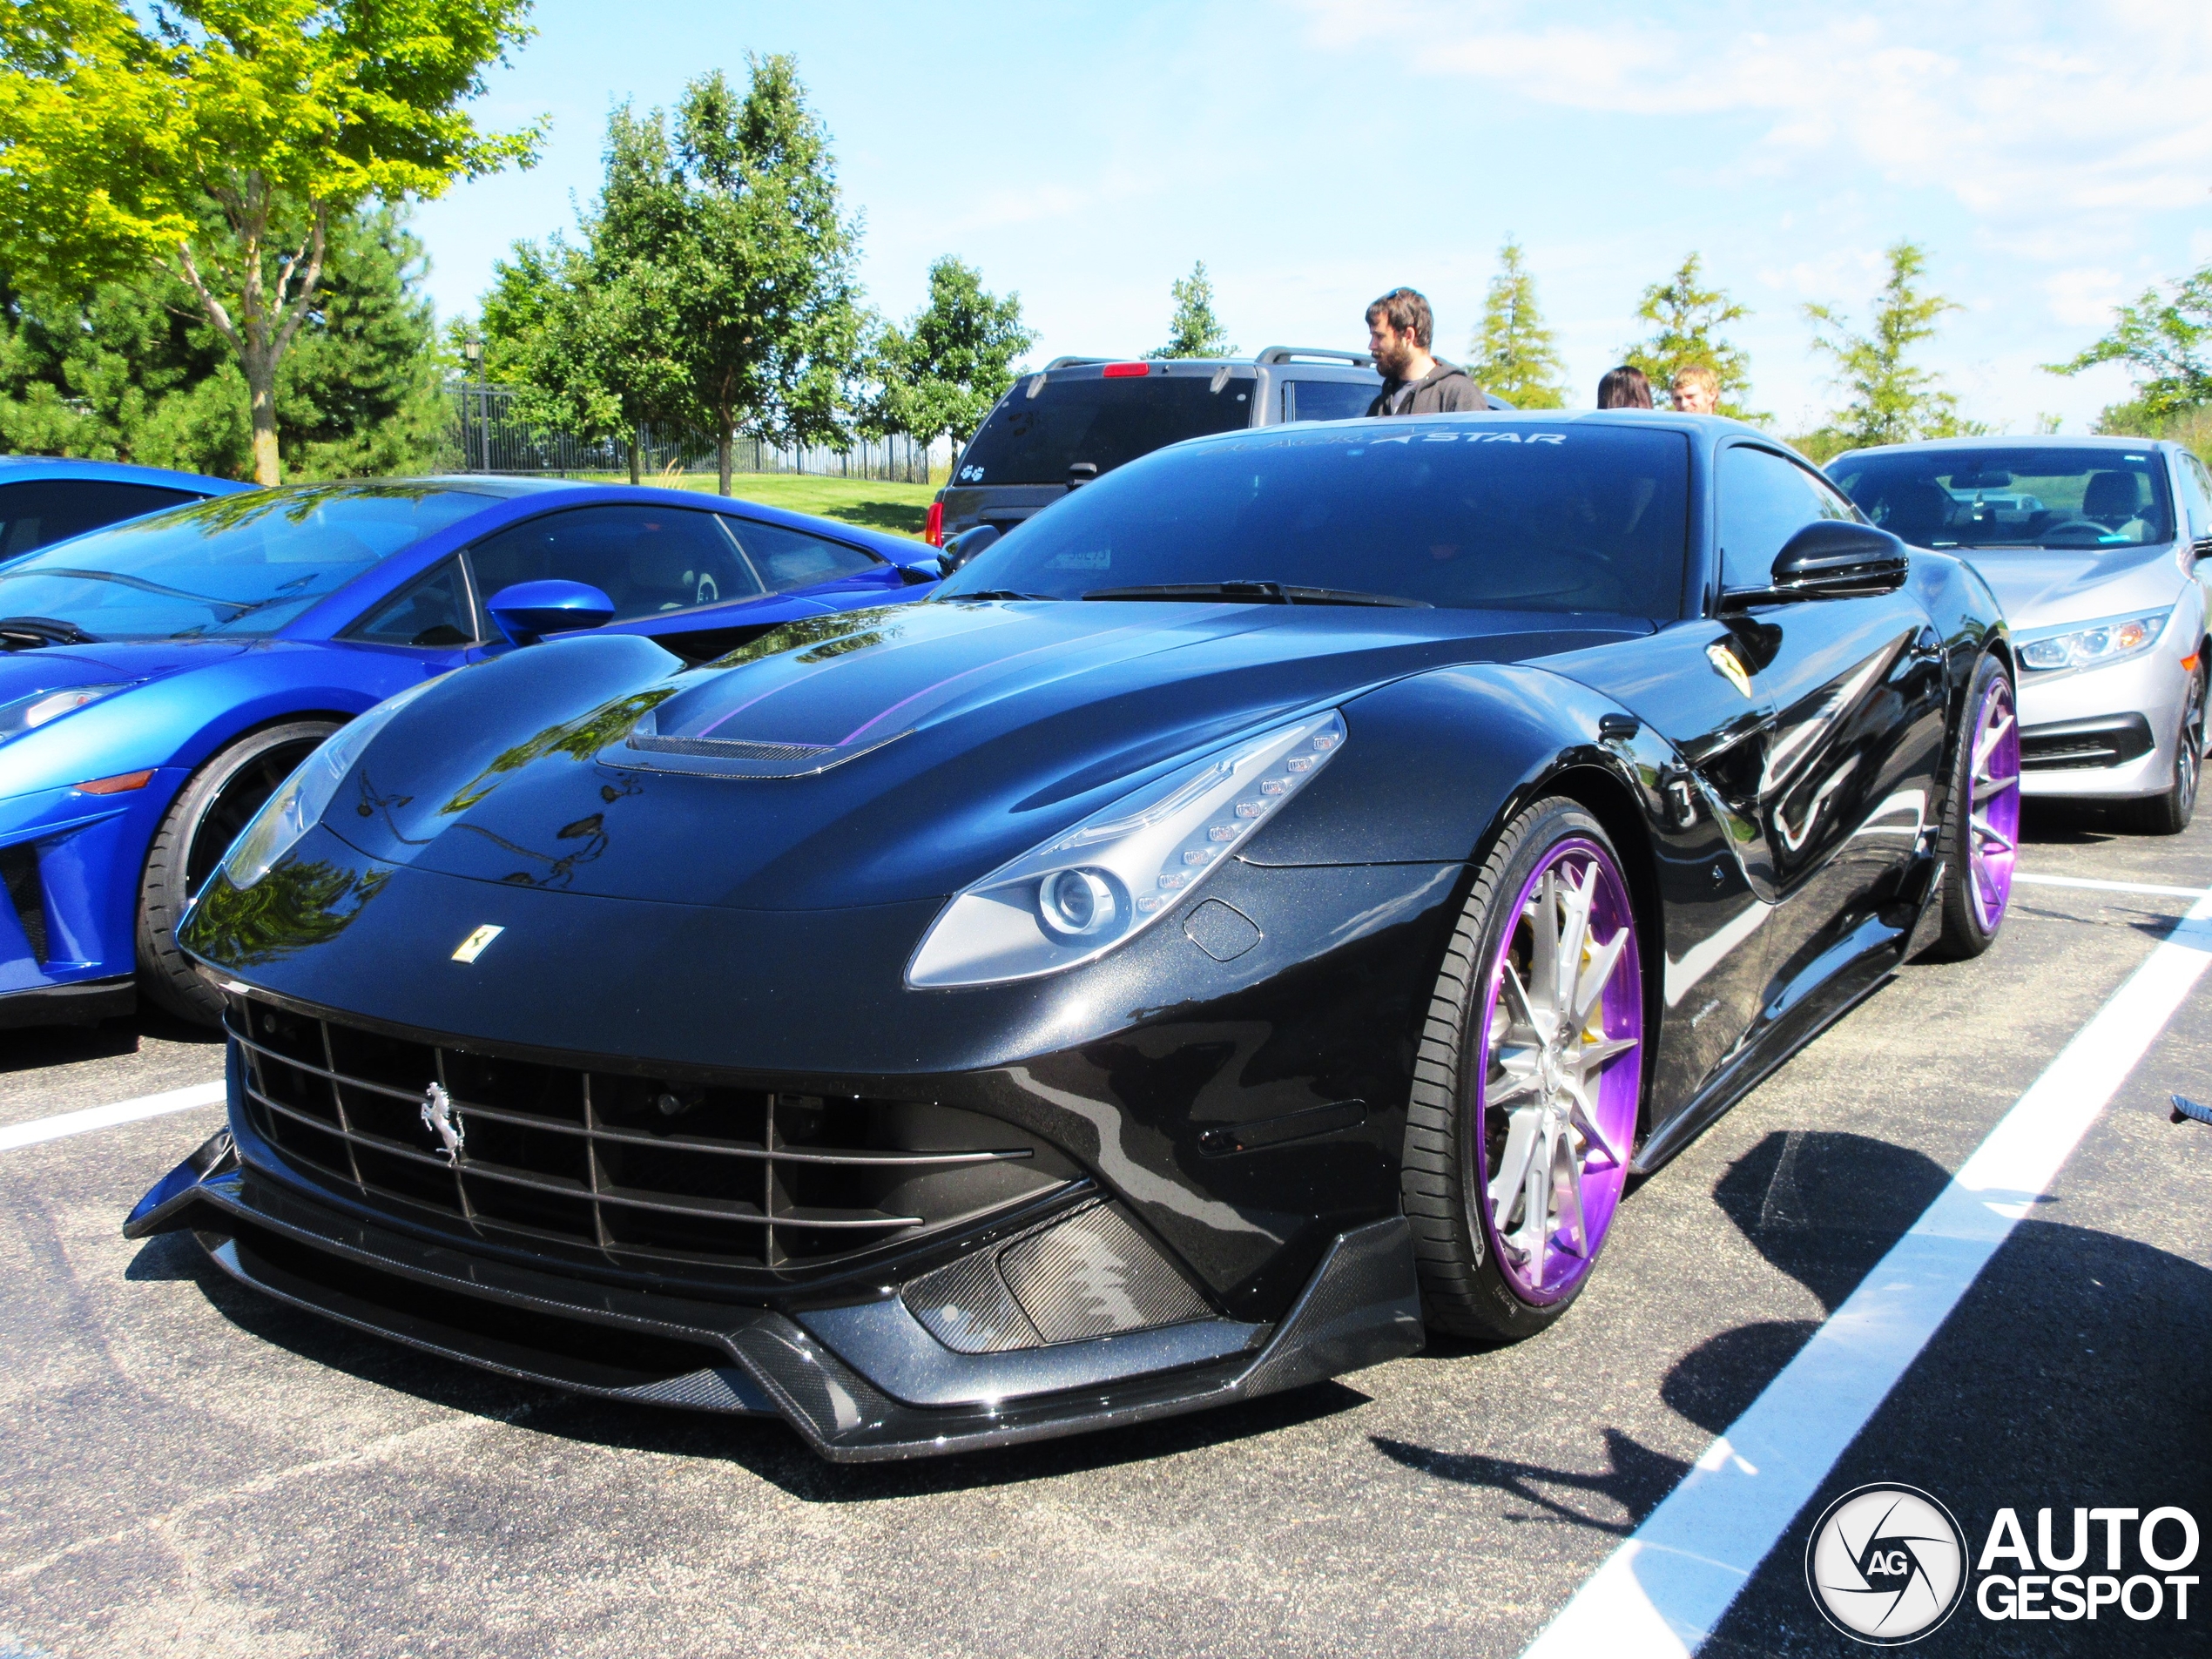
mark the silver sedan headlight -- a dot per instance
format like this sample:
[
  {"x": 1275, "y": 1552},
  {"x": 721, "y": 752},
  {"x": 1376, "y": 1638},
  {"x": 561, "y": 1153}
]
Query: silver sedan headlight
[
  {"x": 2091, "y": 644},
  {"x": 1113, "y": 875}
]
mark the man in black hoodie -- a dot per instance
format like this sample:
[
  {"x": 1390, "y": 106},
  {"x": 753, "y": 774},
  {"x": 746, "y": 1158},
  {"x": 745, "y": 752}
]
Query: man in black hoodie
[{"x": 1399, "y": 329}]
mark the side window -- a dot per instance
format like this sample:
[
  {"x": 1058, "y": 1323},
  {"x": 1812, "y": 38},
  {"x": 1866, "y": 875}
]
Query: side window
[
  {"x": 2196, "y": 490},
  {"x": 789, "y": 559},
  {"x": 1764, "y": 500},
  {"x": 43, "y": 511},
  {"x": 1327, "y": 399},
  {"x": 433, "y": 610},
  {"x": 646, "y": 559}
]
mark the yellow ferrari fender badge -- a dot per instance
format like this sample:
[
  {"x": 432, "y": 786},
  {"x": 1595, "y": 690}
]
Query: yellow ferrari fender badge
[
  {"x": 473, "y": 947},
  {"x": 1730, "y": 666}
]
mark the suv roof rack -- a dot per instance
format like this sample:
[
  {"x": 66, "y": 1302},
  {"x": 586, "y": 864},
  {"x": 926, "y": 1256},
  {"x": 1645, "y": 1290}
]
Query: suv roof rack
[
  {"x": 1077, "y": 362},
  {"x": 1287, "y": 354}
]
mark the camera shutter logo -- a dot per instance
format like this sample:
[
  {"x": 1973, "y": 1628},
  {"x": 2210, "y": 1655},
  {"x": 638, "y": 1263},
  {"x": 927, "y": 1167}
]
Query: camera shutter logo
[{"x": 1886, "y": 1564}]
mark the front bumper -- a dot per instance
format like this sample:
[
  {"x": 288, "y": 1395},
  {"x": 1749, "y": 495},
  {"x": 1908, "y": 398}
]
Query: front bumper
[
  {"x": 2106, "y": 733},
  {"x": 864, "y": 1381},
  {"x": 70, "y": 865}
]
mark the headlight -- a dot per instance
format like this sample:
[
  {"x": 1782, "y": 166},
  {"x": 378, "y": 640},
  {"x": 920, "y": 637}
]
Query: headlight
[
  {"x": 301, "y": 800},
  {"x": 28, "y": 713},
  {"x": 2097, "y": 643},
  {"x": 1118, "y": 872}
]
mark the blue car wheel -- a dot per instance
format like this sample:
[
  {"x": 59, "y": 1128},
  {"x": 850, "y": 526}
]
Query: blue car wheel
[{"x": 206, "y": 817}]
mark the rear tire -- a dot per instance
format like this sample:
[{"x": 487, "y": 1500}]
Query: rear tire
[
  {"x": 1981, "y": 819},
  {"x": 1527, "y": 1089},
  {"x": 210, "y": 811},
  {"x": 2169, "y": 814}
]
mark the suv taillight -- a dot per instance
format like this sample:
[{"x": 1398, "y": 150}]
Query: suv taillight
[{"x": 933, "y": 529}]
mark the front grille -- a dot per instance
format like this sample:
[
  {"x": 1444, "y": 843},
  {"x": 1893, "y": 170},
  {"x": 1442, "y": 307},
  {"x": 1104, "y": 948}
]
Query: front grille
[
  {"x": 2071, "y": 744},
  {"x": 635, "y": 1172}
]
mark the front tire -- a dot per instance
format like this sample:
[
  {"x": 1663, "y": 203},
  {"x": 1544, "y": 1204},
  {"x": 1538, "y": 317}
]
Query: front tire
[
  {"x": 1528, "y": 1087},
  {"x": 1981, "y": 823},
  {"x": 214, "y": 806},
  {"x": 2169, "y": 814}
]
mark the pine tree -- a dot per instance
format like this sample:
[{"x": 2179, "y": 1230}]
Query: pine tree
[
  {"x": 1892, "y": 400},
  {"x": 1195, "y": 331},
  {"x": 1687, "y": 318},
  {"x": 1513, "y": 353}
]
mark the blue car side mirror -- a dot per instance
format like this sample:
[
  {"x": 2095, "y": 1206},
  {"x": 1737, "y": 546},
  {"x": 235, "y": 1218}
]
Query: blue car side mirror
[
  {"x": 529, "y": 610},
  {"x": 928, "y": 570}
]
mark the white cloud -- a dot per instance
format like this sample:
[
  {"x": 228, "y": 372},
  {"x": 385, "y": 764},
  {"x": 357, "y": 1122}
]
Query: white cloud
[{"x": 2085, "y": 296}]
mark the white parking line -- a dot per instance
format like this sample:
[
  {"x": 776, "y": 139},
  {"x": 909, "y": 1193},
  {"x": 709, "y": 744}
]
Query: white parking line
[
  {"x": 2105, "y": 886},
  {"x": 123, "y": 1111},
  {"x": 1662, "y": 1591}
]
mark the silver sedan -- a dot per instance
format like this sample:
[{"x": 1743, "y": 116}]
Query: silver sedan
[{"x": 2093, "y": 546}]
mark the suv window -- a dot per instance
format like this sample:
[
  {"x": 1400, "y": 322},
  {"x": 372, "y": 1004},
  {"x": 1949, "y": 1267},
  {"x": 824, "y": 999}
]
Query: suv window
[
  {"x": 1327, "y": 399},
  {"x": 433, "y": 610},
  {"x": 2196, "y": 493},
  {"x": 1101, "y": 422},
  {"x": 1764, "y": 500},
  {"x": 787, "y": 558},
  {"x": 647, "y": 559},
  {"x": 41, "y": 511}
]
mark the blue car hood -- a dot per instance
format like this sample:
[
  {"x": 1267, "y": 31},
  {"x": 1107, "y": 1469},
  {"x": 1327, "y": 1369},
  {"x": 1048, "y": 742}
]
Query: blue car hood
[
  {"x": 920, "y": 745},
  {"x": 57, "y": 667}
]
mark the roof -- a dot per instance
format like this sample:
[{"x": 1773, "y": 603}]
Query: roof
[
  {"x": 2024, "y": 441},
  {"x": 14, "y": 469}
]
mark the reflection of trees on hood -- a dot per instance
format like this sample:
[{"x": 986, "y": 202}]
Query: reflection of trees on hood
[
  {"x": 579, "y": 739},
  {"x": 822, "y": 632},
  {"x": 295, "y": 905}
]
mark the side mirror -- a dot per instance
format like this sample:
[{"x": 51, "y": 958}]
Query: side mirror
[
  {"x": 1839, "y": 558},
  {"x": 529, "y": 610},
  {"x": 967, "y": 545}
]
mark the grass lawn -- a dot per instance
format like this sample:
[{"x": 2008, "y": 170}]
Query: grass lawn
[{"x": 898, "y": 507}]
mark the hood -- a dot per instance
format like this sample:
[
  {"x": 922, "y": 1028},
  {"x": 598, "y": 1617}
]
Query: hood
[
  {"x": 2039, "y": 587},
  {"x": 56, "y": 668},
  {"x": 873, "y": 758}
]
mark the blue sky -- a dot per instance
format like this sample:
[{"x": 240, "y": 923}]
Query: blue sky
[{"x": 2053, "y": 159}]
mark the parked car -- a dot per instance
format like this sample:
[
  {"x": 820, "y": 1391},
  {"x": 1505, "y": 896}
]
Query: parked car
[
  {"x": 1284, "y": 926},
  {"x": 165, "y": 675},
  {"x": 1078, "y": 418},
  {"x": 2093, "y": 547},
  {"x": 45, "y": 499}
]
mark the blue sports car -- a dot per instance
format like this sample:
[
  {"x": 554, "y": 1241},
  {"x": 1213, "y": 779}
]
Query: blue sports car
[
  {"x": 45, "y": 499},
  {"x": 162, "y": 677}
]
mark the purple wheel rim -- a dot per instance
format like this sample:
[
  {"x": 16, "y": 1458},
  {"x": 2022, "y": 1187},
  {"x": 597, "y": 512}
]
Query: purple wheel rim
[
  {"x": 1554, "y": 1104},
  {"x": 1993, "y": 805}
]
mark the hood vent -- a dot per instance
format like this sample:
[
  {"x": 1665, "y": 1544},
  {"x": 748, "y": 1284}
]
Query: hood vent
[{"x": 732, "y": 757}]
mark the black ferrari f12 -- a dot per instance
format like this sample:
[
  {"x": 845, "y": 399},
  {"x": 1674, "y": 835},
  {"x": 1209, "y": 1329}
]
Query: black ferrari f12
[{"x": 1257, "y": 912}]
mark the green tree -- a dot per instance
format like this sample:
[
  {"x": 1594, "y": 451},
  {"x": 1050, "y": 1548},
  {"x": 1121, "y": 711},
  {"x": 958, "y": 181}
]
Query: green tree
[
  {"x": 1513, "y": 353},
  {"x": 136, "y": 373},
  {"x": 218, "y": 141},
  {"x": 1892, "y": 399},
  {"x": 1686, "y": 318},
  {"x": 2167, "y": 344},
  {"x": 941, "y": 373},
  {"x": 1194, "y": 331}
]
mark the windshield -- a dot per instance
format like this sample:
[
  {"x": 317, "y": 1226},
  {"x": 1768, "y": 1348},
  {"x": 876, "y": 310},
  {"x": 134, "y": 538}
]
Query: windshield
[
  {"x": 1579, "y": 516},
  {"x": 2022, "y": 496},
  {"x": 235, "y": 567},
  {"x": 1099, "y": 422}
]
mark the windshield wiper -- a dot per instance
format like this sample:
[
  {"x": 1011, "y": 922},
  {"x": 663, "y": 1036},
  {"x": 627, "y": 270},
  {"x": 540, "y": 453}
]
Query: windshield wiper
[
  {"x": 1255, "y": 592},
  {"x": 144, "y": 586},
  {"x": 28, "y": 633}
]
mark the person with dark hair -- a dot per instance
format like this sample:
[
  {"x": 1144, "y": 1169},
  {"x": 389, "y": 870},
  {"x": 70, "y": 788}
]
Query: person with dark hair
[
  {"x": 1400, "y": 328},
  {"x": 1624, "y": 387}
]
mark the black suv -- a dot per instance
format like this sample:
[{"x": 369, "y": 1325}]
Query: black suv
[{"x": 1080, "y": 417}]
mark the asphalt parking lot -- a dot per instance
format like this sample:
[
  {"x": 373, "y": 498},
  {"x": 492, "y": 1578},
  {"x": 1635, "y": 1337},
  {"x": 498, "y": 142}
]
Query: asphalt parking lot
[{"x": 186, "y": 1469}]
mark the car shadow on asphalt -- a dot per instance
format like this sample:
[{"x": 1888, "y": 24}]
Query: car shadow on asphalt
[
  {"x": 60, "y": 1045},
  {"x": 2075, "y": 823},
  {"x": 767, "y": 1448}
]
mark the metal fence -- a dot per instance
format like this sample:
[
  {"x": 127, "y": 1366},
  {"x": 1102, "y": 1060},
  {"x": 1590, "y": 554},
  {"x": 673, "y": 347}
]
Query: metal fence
[{"x": 484, "y": 433}]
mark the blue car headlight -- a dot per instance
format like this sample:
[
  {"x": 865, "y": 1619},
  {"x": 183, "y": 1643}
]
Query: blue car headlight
[
  {"x": 1113, "y": 875},
  {"x": 301, "y": 800},
  {"x": 2092, "y": 644},
  {"x": 29, "y": 713}
]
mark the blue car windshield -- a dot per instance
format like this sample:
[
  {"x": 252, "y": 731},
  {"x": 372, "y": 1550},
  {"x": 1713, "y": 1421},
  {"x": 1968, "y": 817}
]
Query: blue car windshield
[
  {"x": 1571, "y": 515},
  {"x": 2013, "y": 495},
  {"x": 236, "y": 567}
]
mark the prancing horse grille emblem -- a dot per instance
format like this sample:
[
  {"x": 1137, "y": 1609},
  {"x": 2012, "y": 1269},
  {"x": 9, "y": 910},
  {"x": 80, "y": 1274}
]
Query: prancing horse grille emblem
[{"x": 438, "y": 1114}]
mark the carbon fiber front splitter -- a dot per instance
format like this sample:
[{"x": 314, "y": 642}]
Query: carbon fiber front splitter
[{"x": 1361, "y": 1306}]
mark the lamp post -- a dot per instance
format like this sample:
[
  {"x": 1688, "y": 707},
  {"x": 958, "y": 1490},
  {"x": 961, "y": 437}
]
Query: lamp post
[{"x": 472, "y": 353}]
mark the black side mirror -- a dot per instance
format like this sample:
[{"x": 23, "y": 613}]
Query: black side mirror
[
  {"x": 967, "y": 545},
  {"x": 1832, "y": 558}
]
